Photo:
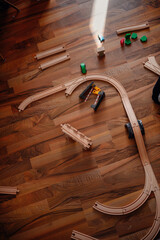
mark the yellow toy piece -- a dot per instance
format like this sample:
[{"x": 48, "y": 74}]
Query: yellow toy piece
[{"x": 96, "y": 90}]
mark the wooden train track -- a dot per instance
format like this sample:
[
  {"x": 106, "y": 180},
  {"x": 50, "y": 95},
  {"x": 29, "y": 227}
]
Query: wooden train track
[
  {"x": 76, "y": 135},
  {"x": 8, "y": 190},
  {"x": 78, "y": 236},
  {"x": 152, "y": 65},
  {"x": 151, "y": 184},
  {"x": 50, "y": 52},
  {"x": 133, "y": 28}
]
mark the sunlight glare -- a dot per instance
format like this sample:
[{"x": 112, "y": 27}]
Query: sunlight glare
[{"x": 98, "y": 19}]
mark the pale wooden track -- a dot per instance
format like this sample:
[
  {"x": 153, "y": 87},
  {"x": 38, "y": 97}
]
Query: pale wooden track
[
  {"x": 50, "y": 52},
  {"x": 8, "y": 190},
  {"x": 76, "y": 135},
  {"x": 152, "y": 65},
  {"x": 78, "y": 236},
  {"x": 151, "y": 184},
  {"x": 133, "y": 28}
]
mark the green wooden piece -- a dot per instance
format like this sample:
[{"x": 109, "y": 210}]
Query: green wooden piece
[
  {"x": 83, "y": 68},
  {"x": 134, "y": 35},
  {"x": 127, "y": 41},
  {"x": 143, "y": 39},
  {"x": 127, "y": 36}
]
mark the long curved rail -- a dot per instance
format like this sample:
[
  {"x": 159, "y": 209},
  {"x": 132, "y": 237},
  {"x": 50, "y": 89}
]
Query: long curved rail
[{"x": 151, "y": 184}]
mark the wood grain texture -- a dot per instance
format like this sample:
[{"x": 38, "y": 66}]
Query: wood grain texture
[{"x": 59, "y": 182}]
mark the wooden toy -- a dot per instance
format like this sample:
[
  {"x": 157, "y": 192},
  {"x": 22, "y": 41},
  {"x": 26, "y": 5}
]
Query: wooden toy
[
  {"x": 81, "y": 236},
  {"x": 151, "y": 184},
  {"x": 122, "y": 42},
  {"x": 130, "y": 130},
  {"x": 152, "y": 65},
  {"x": 128, "y": 35},
  {"x": 101, "y": 51},
  {"x": 127, "y": 39},
  {"x": 76, "y": 135},
  {"x": 133, "y": 28},
  {"x": 101, "y": 38},
  {"x": 83, "y": 68},
  {"x": 143, "y": 39},
  {"x": 54, "y": 62},
  {"x": 92, "y": 88},
  {"x": 8, "y": 190},
  {"x": 134, "y": 35},
  {"x": 50, "y": 52}
]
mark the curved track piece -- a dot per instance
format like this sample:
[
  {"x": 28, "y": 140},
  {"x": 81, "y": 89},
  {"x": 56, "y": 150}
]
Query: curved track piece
[
  {"x": 39, "y": 96},
  {"x": 130, "y": 207},
  {"x": 81, "y": 236}
]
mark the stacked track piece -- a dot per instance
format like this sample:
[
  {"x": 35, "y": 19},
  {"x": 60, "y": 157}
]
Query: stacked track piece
[{"x": 76, "y": 135}]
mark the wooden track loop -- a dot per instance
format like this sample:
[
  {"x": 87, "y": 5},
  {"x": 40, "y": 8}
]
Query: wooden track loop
[
  {"x": 81, "y": 236},
  {"x": 151, "y": 184},
  {"x": 133, "y": 28}
]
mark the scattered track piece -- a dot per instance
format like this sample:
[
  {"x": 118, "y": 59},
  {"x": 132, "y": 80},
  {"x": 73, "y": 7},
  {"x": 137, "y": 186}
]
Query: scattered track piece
[
  {"x": 81, "y": 236},
  {"x": 152, "y": 65},
  {"x": 133, "y": 28},
  {"x": 76, "y": 135},
  {"x": 50, "y": 52},
  {"x": 54, "y": 62},
  {"x": 8, "y": 190}
]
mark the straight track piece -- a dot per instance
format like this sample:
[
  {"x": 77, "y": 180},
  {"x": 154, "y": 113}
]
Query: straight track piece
[
  {"x": 54, "y": 62},
  {"x": 133, "y": 28},
  {"x": 8, "y": 190},
  {"x": 81, "y": 236},
  {"x": 76, "y": 135},
  {"x": 50, "y": 52}
]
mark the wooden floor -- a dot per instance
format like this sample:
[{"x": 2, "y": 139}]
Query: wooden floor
[{"x": 58, "y": 181}]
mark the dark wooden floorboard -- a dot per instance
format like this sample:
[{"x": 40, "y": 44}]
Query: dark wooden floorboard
[{"x": 58, "y": 181}]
